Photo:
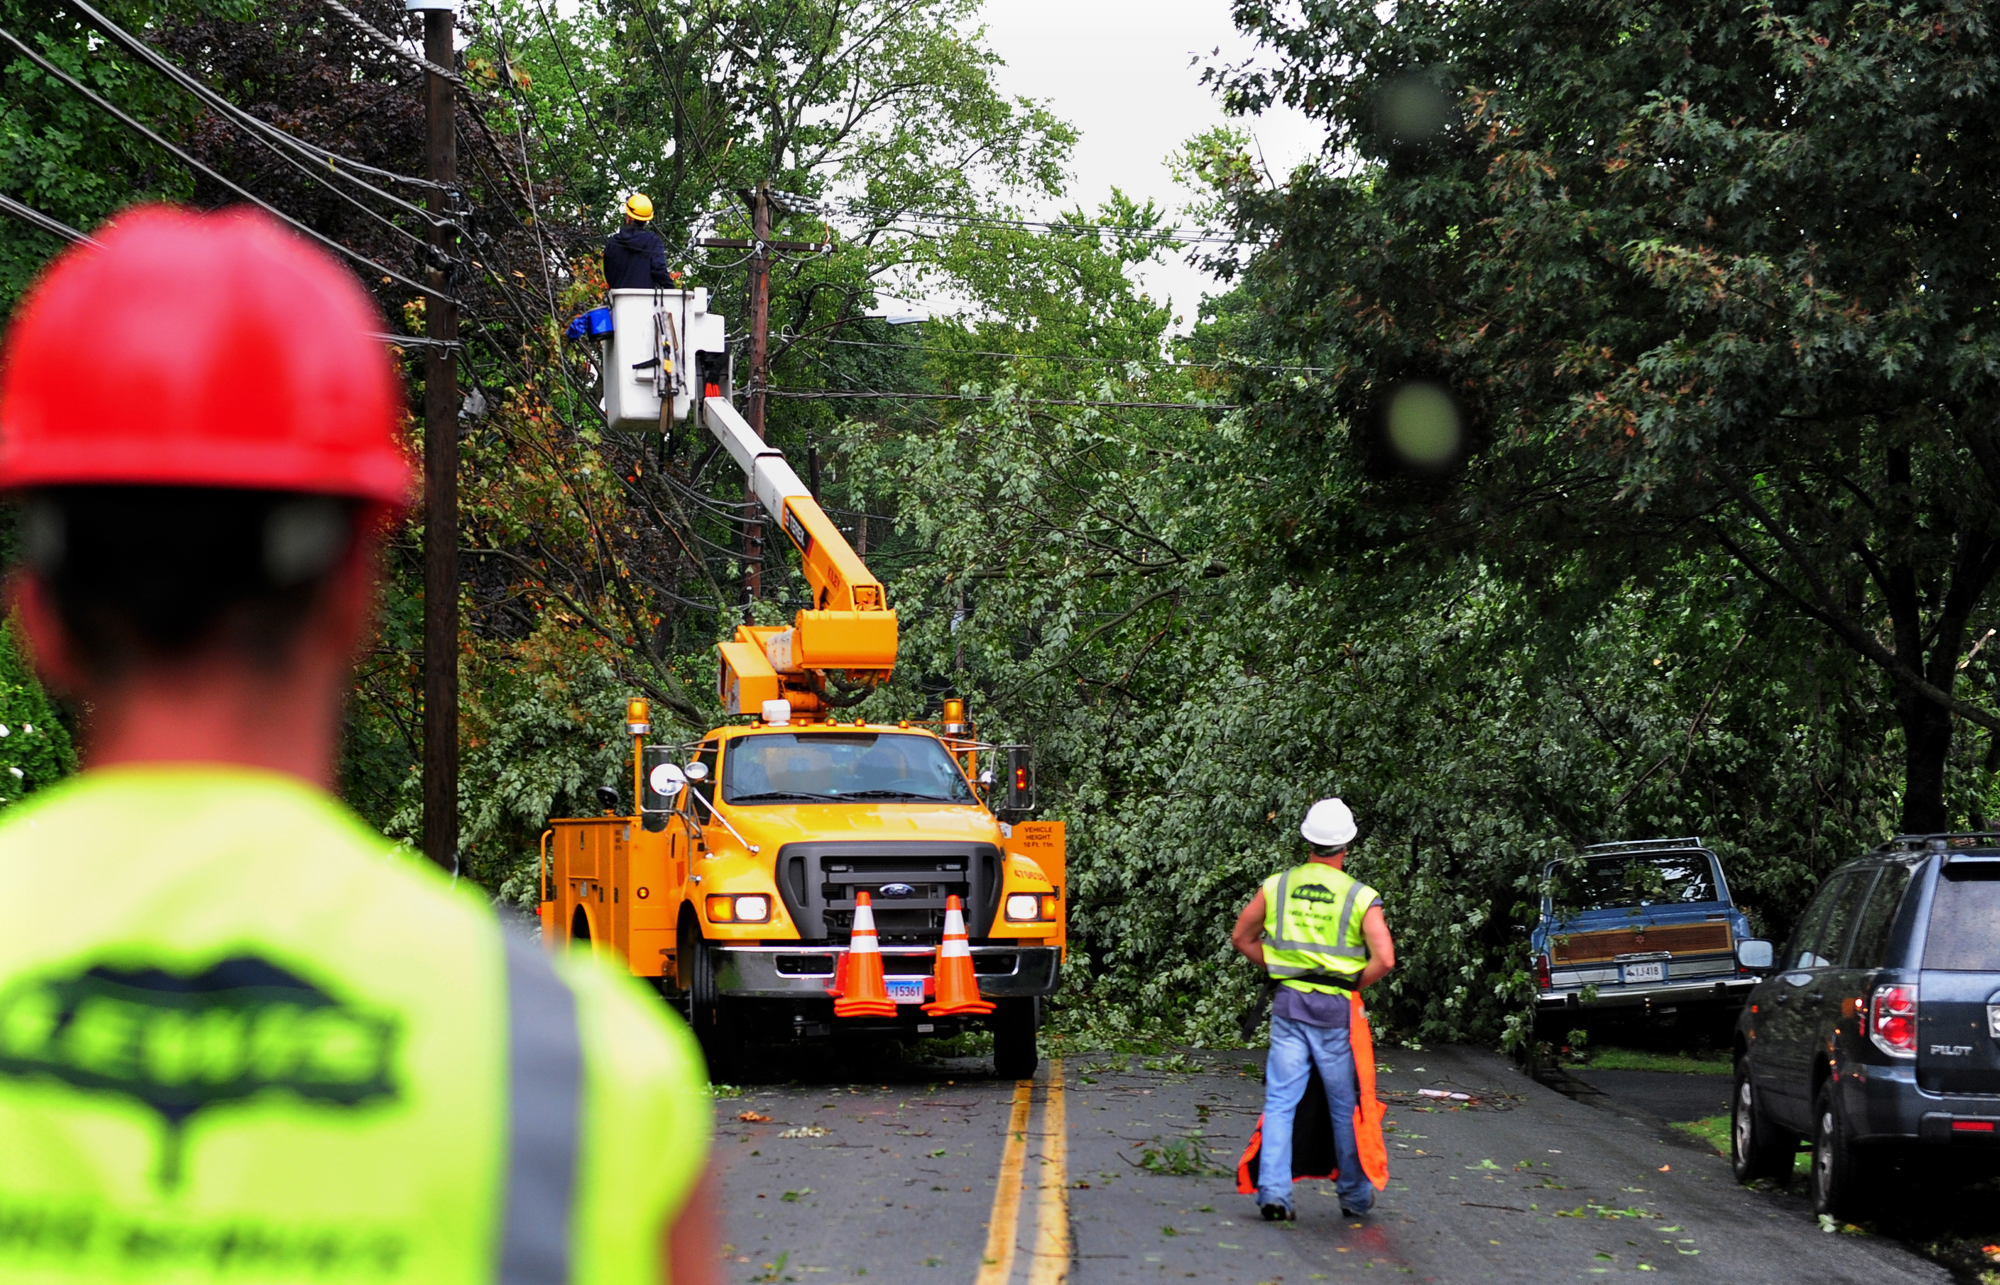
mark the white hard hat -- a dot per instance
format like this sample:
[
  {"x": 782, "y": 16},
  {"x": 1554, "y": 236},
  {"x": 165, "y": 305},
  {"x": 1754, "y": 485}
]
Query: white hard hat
[{"x": 1328, "y": 824}]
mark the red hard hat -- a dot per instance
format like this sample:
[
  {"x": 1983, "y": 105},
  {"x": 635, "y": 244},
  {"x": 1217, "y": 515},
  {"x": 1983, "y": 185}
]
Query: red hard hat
[{"x": 201, "y": 350}]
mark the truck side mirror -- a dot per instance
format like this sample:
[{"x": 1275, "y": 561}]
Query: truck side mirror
[
  {"x": 696, "y": 772},
  {"x": 1755, "y": 956},
  {"x": 667, "y": 780},
  {"x": 1020, "y": 786}
]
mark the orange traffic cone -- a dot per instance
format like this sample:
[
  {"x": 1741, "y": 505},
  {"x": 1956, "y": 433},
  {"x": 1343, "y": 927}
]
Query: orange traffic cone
[
  {"x": 957, "y": 988},
  {"x": 863, "y": 992}
]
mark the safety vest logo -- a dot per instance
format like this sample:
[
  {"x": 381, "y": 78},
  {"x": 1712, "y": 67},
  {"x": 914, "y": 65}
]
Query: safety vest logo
[
  {"x": 179, "y": 1044},
  {"x": 1315, "y": 892}
]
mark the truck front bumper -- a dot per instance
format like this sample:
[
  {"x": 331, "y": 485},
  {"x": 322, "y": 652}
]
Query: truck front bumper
[
  {"x": 804, "y": 972},
  {"x": 1688, "y": 994}
]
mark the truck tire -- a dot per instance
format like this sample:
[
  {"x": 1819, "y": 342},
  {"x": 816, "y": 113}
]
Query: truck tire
[
  {"x": 708, "y": 1014},
  {"x": 1015, "y": 1056},
  {"x": 1840, "y": 1173},
  {"x": 1757, "y": 1148}
]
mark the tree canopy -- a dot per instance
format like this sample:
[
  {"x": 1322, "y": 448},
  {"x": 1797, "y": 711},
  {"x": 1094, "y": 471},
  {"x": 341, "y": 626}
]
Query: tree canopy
[{"x": 1591, "y": 442}]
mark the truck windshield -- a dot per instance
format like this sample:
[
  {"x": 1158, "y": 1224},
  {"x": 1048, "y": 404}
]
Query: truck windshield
[
  {"x": 1610, "y": 883},
  {"x": 840, "y": 767}
]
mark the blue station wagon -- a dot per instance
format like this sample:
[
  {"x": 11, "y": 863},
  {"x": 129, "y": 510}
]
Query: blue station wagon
[{"x": 1642, "y": 929}]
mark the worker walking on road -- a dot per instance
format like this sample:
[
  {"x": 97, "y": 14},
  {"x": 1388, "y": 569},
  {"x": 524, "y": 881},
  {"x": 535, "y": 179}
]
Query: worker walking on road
[
  {"x": 1320, "y": 934},
  {"x": 240, "y": 1038},
  {"x": 635, "y": 258}
]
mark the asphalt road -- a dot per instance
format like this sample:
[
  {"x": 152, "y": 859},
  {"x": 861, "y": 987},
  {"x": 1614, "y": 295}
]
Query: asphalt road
[
  {"x": 1670, "y": 1095},
  {"x": 948, "y": 1175}
]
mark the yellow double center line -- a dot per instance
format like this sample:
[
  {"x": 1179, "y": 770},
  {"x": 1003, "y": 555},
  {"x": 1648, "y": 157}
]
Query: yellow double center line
[{"x": 1049, "y": 1259}]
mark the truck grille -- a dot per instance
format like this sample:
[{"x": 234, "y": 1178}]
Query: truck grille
[
  {"x": 1678, "y": 939},
  {"x": 819, "y": 881}
]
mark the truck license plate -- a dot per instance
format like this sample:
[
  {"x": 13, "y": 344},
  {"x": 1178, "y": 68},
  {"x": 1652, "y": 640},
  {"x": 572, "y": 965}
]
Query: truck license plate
[
  {"x": 1654, "y": 972},
  {"x": 906, "y": 990}
]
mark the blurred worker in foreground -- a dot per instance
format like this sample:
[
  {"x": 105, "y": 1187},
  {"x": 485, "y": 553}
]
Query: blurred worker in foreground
[
  {"x": 239, "y": 1039},
  {"x": 635, "y": 258},
  {"x": 1320, "y": 934}
]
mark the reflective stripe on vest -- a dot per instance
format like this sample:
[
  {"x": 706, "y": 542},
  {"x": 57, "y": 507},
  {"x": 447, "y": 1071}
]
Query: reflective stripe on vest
[
  {"x": 1296, "y": 954},
  {"x": 544, "y": 1118}
]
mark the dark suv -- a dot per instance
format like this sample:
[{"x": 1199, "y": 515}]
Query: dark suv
[{"x": 1877, "y": 1034}]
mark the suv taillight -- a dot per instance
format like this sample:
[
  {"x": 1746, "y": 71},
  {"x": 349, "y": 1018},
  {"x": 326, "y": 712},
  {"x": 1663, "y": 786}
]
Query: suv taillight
[
  {"x": 1542, "y": 972},
  {"x": 1892, "y": 1020}
]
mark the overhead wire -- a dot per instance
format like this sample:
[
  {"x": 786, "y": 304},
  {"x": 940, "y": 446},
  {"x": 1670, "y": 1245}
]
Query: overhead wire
[
  {"x": 1220, "y": 363},
  {"x": 362, "y": 25},
  {"x": 129, "y": 122},
  {"x": 48, "y": 223},
  {"x": 1138, "y": 231},
  {"x": 194, "y": 85},
  {"x": 808, "y": 394}
]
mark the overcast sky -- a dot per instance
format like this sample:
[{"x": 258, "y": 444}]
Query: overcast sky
[{"x": 1119, "y": 70}]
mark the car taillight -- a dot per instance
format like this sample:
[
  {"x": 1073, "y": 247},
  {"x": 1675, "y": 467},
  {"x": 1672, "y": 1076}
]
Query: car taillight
[
  {"x": 1892, "y": 1020},
  {"x": 1542, "y": 979}
]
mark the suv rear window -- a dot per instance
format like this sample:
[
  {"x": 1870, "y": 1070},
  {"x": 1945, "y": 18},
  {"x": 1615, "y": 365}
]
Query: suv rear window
[{"x": 1965, "y": 918}]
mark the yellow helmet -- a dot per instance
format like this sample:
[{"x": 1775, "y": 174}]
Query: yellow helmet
[{"x": 639, "y": 206}]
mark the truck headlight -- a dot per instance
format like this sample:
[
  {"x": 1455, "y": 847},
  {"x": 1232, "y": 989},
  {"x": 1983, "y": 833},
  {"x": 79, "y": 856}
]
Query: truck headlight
[
  {"x": 1028, "y": 907},
  {"x": 729, "y": 908}
]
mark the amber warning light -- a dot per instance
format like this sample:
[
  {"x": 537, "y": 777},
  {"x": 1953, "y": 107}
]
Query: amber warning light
[{"x": 1020, "y": 779}]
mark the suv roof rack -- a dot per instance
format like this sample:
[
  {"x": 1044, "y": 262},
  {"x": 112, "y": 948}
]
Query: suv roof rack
[
  {"x": 1942, "y": 842},
  {"x": 1646, "y": 845}
]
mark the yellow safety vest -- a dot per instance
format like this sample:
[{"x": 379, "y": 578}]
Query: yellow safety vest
[
  {"x": 1312, "y": 927},
  {"x": 240, "y": 1041}
]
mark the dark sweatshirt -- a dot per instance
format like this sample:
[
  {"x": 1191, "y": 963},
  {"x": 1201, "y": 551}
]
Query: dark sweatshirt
[{"x": 636, "y": 259}]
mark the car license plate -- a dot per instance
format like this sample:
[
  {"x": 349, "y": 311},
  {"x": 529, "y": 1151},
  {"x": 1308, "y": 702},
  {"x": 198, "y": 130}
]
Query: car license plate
[
  {"x": 1653, "y": 972},
  {"x": 906, "y": 990}
]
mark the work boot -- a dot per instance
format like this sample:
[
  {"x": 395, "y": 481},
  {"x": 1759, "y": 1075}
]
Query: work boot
[{"x": 1277, "y": 1213}]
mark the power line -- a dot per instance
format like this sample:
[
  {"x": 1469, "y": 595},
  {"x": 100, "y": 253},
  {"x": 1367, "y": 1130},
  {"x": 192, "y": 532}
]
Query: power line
[
  {"x": 421, "y": 63},
  {"x": 247, "y": 195},
  {"x": 30, "y": 215},
  {"x": 802, "y": 394},
  {"x": 414, "y": 341},
  {"x": 145, "y": 52},
  {"x": 1074, "y": 360},
  {"x": 1184, "y": 236}
]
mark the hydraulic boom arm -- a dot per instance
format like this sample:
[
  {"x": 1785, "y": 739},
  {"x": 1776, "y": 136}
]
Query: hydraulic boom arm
[{"x": 846, "y": 638}]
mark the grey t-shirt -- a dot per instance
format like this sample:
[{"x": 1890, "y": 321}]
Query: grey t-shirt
[{"x": 1311, "y": 1008}]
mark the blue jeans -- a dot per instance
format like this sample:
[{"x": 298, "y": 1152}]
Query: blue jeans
[{"x": 1295, "y": 1049}]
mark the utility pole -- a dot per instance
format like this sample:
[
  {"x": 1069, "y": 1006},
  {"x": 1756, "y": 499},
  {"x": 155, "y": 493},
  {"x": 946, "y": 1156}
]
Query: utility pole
[
  {"x": 440, "y": 455},
  {"x": 760, "y": 370},
  {"x": 760, "y": 301},
  {"x": 762, "y": 202}
]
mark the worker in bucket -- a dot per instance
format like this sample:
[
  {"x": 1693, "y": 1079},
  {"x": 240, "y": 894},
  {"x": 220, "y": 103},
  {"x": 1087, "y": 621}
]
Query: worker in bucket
[
  {"x": 239, "y": 1038},
  {"x": 634, "y": 257},
  {"x": 1320, "y": 934}
]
